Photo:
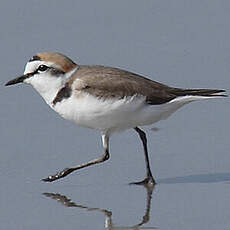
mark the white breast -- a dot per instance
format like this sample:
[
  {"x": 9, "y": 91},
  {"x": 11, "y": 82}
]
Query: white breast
[
  {"x": 89, "y": 111},
  {"x": 113, "y": 114}
]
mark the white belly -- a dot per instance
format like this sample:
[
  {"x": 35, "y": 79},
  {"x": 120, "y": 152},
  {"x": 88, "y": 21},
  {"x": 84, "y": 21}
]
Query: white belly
[{"x": 115, "y": 115}]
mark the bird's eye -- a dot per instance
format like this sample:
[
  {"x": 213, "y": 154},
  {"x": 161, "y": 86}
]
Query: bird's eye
[{"x": 42, "y": 68}]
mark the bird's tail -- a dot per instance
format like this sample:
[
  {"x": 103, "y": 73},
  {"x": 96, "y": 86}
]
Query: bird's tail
[{"x": 200, "y": 92}]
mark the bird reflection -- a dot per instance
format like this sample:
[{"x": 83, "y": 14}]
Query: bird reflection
[{"x": 64, "y": 200}]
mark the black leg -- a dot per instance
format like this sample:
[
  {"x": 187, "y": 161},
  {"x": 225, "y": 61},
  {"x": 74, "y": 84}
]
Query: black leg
[
  {"x": 149, "y": 180},
  {"x": 67, "y": 171}
]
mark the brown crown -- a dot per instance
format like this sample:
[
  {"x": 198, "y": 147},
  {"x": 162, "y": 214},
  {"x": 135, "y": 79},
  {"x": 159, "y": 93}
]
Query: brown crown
[{"x": 61, "y": 60}]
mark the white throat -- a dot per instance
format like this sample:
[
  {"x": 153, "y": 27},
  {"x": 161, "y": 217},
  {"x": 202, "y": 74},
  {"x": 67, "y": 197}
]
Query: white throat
[
  {"x": 49, "y": 88},
  {"x": 48, "y": 85}
]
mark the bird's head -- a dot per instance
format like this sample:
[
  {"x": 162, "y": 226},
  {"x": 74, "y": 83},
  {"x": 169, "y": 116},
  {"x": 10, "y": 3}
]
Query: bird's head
[{"x": 46, "y": 72}]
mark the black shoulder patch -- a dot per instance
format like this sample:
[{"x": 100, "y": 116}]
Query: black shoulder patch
[
  {"x": 35, "y": 58},
  {"x": 63, "y": 93}
]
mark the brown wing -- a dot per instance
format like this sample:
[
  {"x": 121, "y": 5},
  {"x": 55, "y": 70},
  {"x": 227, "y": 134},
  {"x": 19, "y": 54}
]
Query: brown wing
[{"x": 108, "y": 82}]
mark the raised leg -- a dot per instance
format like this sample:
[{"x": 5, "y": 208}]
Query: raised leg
[
  {"x": 67, "y": 171},
  {"x": 149, "y": 180}
]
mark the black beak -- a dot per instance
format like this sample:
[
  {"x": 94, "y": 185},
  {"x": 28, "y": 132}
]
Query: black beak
[{"x": 16, "y": 80}]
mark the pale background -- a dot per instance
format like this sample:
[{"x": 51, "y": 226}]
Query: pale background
[{"x": 180, "y": 43}]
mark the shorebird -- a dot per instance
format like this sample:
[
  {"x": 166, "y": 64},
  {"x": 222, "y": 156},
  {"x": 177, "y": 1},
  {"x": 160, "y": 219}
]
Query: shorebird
[{"x": 106, "y": 99}]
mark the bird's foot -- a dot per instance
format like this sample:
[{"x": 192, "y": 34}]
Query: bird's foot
[
  {"x": 148, "y": 181},
  {"x": 58, "y": 175}
]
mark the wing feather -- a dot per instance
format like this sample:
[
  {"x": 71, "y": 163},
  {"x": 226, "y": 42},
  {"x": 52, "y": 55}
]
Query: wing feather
[{"x": 108, "y": 82}]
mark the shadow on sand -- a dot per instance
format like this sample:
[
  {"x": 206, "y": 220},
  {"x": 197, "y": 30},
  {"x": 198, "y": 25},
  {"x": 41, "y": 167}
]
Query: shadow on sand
[{"x": 199, "y": 178}]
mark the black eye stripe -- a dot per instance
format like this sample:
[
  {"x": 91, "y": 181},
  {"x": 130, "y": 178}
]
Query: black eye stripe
[
  {"x": 42, "y": 68},
  {"x": 56, "y": 72}
]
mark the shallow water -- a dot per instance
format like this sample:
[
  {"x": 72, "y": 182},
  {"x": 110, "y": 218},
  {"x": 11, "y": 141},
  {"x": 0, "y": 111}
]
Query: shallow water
[{"x": 175, "y": 203}]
